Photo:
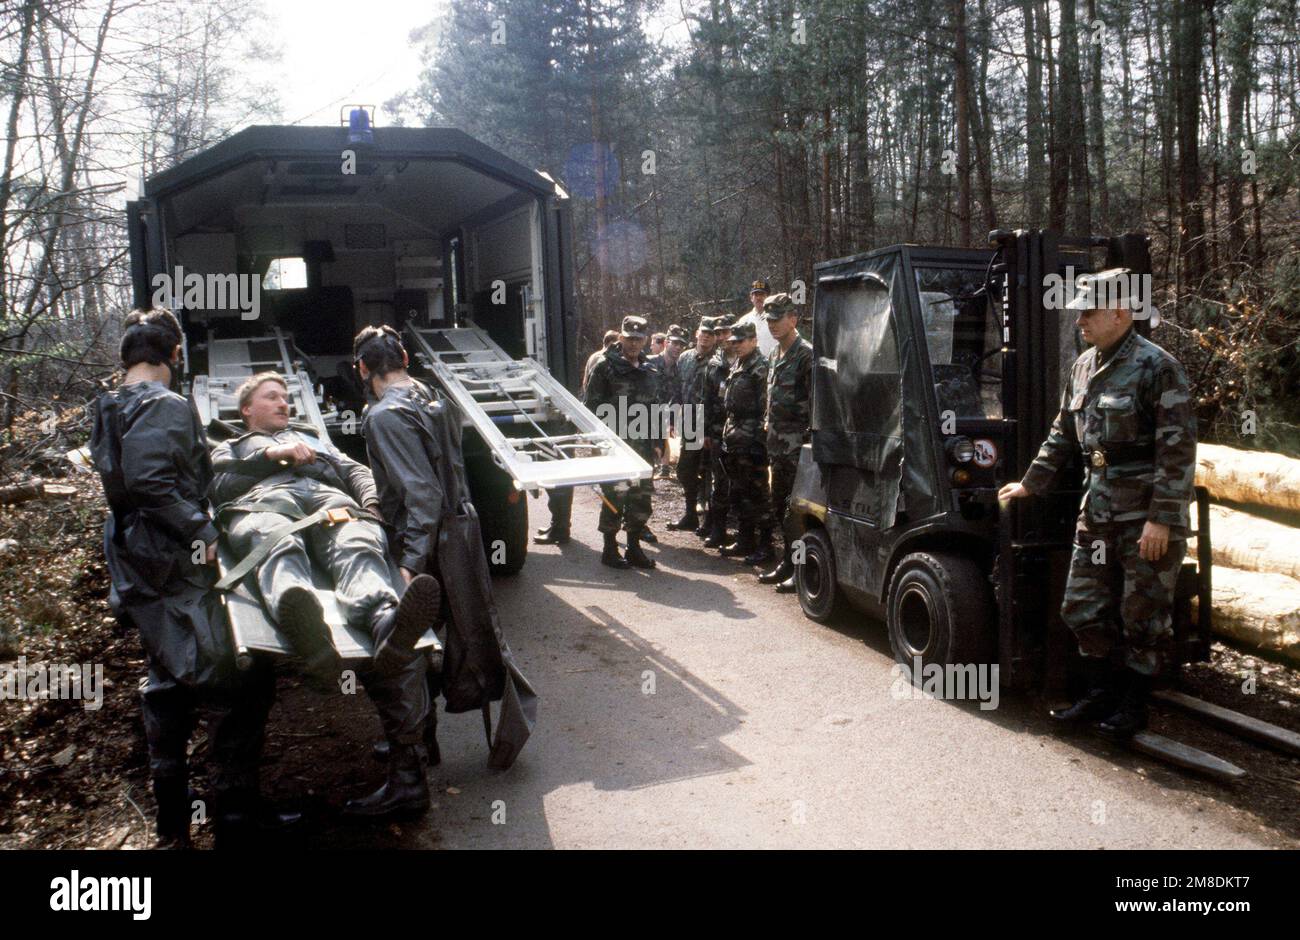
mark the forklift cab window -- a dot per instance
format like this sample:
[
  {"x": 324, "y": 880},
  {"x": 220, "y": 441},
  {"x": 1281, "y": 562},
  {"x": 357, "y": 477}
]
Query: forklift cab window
[
  {"x": 963, "y": 340},
  {"x": 285, "y": 274},
  {"x": 856, "y": 380}
]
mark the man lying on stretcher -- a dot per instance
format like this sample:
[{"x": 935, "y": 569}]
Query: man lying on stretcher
[{"x": 287, "y": 499}]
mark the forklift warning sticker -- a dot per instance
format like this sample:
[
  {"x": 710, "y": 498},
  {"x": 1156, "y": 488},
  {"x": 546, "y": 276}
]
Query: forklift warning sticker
[{"x": 986, "y": 453}]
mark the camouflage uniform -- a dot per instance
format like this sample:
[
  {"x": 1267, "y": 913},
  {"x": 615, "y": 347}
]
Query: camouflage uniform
[
  {"x": 789, "y": 387},
  {"x": 615, "y": 380},
  {"x": 714, "y": 382},
  {"x": 744, "y": 443},
  {"x": 1131, "y": 415}
]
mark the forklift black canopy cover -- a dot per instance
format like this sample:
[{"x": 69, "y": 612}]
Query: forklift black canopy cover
[{"x": 869, "y": 410}]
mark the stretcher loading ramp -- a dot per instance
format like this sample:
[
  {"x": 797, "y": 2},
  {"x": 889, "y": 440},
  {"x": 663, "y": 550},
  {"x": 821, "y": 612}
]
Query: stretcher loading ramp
[
  {"x": 231, "y": 361},
  {"x": 538, "y": 432}
]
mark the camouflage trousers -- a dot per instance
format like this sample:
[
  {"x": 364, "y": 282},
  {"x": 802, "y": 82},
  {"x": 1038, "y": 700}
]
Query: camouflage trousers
[
  {"x": 783, "y": 471},
  {"x": 694, "y": 471},
  {"x": 630, "y": 502},
  {"x": 747, "y": 476},
  {"x": 720, "y": 494},
  {"x": 1116, "y": 602}
]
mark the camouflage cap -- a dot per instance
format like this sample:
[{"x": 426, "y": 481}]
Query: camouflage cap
[
  {"x": 778, "y": 305},
  {"x": 635, "y": 326},
  {"x": 760, "y": 286},
  {"x": 707, "y": 324},
  {"x": 679, "y": 334},
  {"x": 744, "y": 330},
  {"x": 723, "y": 323}
]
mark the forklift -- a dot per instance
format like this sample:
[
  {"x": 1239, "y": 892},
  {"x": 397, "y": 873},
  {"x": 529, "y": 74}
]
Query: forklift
[{"x": 937, "y": 373}]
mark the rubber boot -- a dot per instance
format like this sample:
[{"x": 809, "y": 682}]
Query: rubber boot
[
  {"x": 1130, "y": 716},
  {"x": 762, "y": 553},
  {"x": 242, "y": 817},
  {"x": 398, "y": 629},
  {"x": 1098, "y": 700},
  {"x": 744, "y": 544},
  {"x": 689, "y": 522},
  {"x": 610, "y": 556},
  {"x": 301, "y": 619},
  {"x": 405, "y": 790},
  {"x": 635, "y": 556},
  {"x": 172, "y": 795}
]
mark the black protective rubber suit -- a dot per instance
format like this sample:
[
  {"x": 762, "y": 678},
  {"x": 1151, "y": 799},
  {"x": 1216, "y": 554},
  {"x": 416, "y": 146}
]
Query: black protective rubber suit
[
  {"x": 255, "y": 495},
  {"x": 148, "y": 447},
  {"x": 413, "y": 441}
]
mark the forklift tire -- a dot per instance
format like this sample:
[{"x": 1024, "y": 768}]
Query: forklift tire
[
  {"x": 940, "y": 609},
  {"x": 819, "y": 593}
]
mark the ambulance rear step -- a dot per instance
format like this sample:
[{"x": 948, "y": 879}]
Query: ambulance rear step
[{"x": 494, "y": 392}]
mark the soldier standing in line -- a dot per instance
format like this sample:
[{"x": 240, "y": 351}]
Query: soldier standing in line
[
  {"x": 758, "y": 294},
  {"x": 1127, "y": 407},
  {"x": 715, "y": 416},
  {"x": 667, "y": 363},
  {"x": 789, "y": 389},
  {"x": 744, "y": 447},
  {"x": 626, "y": 387},
  {"x": 559, "y": 499},
  {"x": 693, "y": 462}
]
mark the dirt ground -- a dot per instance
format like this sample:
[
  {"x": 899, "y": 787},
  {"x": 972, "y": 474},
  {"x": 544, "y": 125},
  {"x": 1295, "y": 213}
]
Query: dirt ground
[{"x": 77, "y": 778}]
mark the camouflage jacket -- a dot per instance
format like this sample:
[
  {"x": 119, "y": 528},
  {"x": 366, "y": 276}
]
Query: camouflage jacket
[
  {"x": 745, "y": 396},
  {"x": 714, "y": 382},
  {"x": 669, "y": 377},
  {"x": 690, "y": 377},
  {"x": 1132, "y": 418},
  {"x": 789, "y": 386},
  {"x": 625, "y": 395}
]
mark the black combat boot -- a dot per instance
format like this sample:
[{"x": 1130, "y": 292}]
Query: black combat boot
[
  {"x": 778, "y": 574},
  {"x": 1130, "y": 716},
  {"x": 1099, "y": 699},
  {"x": 172, "y": 818},
  {"x": 649, "y": 537},
  {"x": 301, "y": 620},
  {"x": 763, "y": 552},
  {"x": 551, "y": 536},
  {"x": 718, "y": 536},
  {"x": 397, "y": 629},
  {"x": 610, "y": 556},
  {"x": 745, "y": 544},
  {"x": 689, "y": 522},
  {"x": 243, "y": 817},
  {"x": 404, "y": 791},
  {"x": 635, "y": 556},
  {"x": 788, "y": 586},
  {"x": 706, "y": 524}
]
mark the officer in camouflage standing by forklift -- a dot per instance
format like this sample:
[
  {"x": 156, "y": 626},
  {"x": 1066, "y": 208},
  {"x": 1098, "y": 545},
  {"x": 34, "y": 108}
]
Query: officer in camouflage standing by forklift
[
  {"x": 715, "y": 377},
  {"x": 624, "y": 387},
  {"x": 693, "y": 471},
  {"x": 1128, "y": 408},
  {"x": 789, "y": 388},
  {"x": 744, "y": 448}
]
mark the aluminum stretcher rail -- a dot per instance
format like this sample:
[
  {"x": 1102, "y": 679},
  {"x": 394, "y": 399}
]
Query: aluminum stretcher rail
[{"x": 494, "y": 391}]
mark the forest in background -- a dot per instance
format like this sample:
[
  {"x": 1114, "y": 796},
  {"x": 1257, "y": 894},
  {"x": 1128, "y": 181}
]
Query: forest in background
[{"x": 709, "y": 142}]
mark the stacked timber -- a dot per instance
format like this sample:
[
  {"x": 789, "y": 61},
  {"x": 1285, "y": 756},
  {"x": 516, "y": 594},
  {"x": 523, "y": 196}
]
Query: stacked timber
[{"x": 1256, "y": 572}]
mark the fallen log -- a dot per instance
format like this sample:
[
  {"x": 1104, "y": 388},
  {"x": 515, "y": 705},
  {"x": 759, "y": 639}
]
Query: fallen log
[
  {"x": 34, "y": 489},
  {"x": 1248, "y": 476},
  {"x": 1258, "y": 609},
  {"x": 1249, "y": 543}
]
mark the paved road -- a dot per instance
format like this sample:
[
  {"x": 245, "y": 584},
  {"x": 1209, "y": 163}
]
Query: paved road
[{"x": 688, "y": 707}]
